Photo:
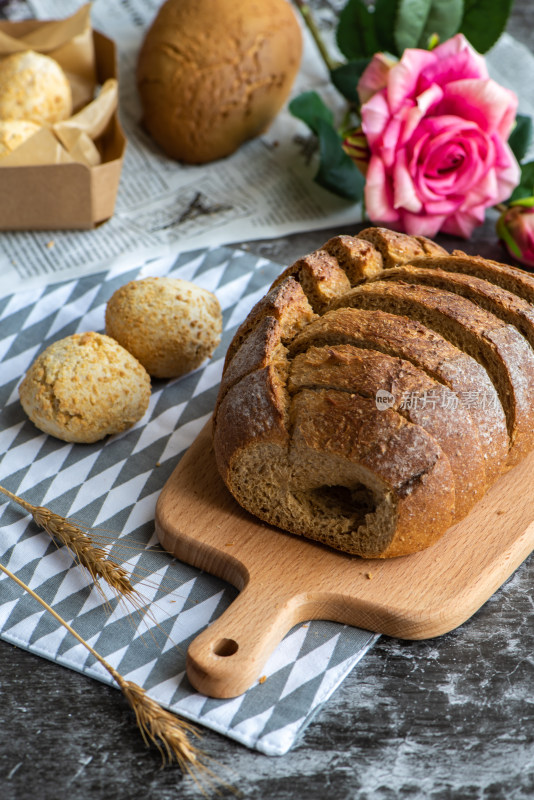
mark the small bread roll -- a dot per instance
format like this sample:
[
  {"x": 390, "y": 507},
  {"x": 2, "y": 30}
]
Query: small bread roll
[
  {"x": 14, "y": 132},
  {"x": 85, "y": 387},
  {"x": 33, "y": 87},
  {"x": 213, "y": 73},
  {"x": 168, "y": 324}
]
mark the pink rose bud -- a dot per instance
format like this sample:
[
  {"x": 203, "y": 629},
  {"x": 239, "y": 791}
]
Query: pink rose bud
[
  {"x": 355, "y": 145},
  {"x": 515, "y": 227},
  {"x": 437, "y": 127}
]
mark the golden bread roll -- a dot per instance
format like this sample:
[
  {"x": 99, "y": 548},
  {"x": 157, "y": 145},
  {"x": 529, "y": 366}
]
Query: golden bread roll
[
  {"x": 85, "y": 387},
  {"x": 169, "y": 325},
  {"x": 14, "y": 132},
  {"x": 33, "y": 87},
  {"x": 213, "y": 73}
]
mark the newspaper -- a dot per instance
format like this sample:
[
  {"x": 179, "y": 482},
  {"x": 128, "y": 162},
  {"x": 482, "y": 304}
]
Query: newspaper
[{"x": 264, "y": 190}]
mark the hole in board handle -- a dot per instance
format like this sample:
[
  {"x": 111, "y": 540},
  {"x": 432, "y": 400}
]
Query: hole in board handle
[{"x": 225, "y": 647}]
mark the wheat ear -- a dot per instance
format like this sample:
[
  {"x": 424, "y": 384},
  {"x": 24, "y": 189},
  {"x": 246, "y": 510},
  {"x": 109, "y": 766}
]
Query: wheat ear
[
  {"x": 165, "y": 730},
  {"x": 93, "y": 558}
]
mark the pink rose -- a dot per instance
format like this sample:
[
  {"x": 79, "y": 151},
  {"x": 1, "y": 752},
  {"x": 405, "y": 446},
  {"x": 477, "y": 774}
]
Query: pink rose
[
  {"x": 516, "y": 229},
  {"x": 437, "y": 128}
]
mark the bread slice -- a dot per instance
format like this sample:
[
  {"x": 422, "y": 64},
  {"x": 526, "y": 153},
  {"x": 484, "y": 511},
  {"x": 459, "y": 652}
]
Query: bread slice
[
  {"x": 286, "y": 303},
  {"x": 512, "y": 279},
  {"x": 408, "y": 339},
  {"x": 359, "y": 259},
  {"x": 320, "y": 276},
  {"x": 504, "y": 304},
  {"x": 399, "y": 248},
  {"x": 254, "y": 410},
  {"x": 499, "y": 347},
  {"x": 410, "y": 392}
]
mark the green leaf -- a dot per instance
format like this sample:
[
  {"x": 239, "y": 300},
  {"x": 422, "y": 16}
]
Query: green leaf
[
  {"x": 484, "y": 21},
  {"x": 521, "y": 135},
  {"x": 310, "y": 108},
  {"x": 345, "y": 78},
  {"x": 337, "y": 172},
  {"x": 444, "y": 19},
  {"x": 526, "y": 183},
  {"x": 410, "y": 23},
  {"x": 355, "y": 32},
  {"x": 384, "y": 18}
]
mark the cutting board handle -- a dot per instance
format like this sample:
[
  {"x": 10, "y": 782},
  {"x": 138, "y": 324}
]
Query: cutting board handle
[{"x": 228, "y": 656}]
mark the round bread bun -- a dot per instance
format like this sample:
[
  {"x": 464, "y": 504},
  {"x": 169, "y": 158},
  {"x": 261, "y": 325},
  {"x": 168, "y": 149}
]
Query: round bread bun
[
  {"x": 85, "y": 387},
  {"x": 33, "y": 87},
  {"x": 14, "y": 132},
  {"x": 168, "y": 324},
  {"x": 213, "y": 73}
]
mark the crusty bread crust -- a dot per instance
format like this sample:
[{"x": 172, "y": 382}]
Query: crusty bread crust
[{"x": 300, "y": 437}]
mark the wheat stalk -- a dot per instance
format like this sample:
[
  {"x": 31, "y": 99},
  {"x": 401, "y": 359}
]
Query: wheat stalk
[
  {"x": 88, "y": 553},
  {"x": 166, "y": 731},
  {"x": 93, "y": 558}
]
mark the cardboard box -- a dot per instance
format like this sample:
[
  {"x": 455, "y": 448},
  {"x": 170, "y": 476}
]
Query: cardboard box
[{"x": 73, "y": 195}]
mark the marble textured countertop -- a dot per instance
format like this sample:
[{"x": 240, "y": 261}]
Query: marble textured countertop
[{"x": 450, "y": 718}]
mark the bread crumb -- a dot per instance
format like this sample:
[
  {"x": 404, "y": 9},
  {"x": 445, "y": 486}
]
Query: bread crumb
[
  {"x": 50, "y": 244},
  {"x": 262, "y": 679},
  {"x": 229, "y": 544},
  {"x": 158, "y": 463},
  {"x": 369, "y": 575},
  {"x": 500, "y": 511}
]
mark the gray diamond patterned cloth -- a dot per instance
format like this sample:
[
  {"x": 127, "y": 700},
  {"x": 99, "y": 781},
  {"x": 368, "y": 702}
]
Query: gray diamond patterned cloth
[{"x": 111, "y": 487}]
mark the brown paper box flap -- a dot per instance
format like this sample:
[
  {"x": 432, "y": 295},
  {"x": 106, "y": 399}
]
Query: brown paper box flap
[
  {"x": 93, "y": 119},
  {"x": 41, "y": 148}
]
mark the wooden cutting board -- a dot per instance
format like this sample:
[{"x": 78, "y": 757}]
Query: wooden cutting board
[{"x": 285, "y": 579}]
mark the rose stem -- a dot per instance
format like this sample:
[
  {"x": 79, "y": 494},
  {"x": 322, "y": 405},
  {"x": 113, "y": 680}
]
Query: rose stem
[{"x": 307, "y": 16}]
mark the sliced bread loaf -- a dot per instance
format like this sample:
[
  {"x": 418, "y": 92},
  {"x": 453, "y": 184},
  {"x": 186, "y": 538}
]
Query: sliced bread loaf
[{"x": 376, "y": 391}]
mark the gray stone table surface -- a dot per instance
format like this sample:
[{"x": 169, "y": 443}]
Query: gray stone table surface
[{"x": 450, "y": 718}]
